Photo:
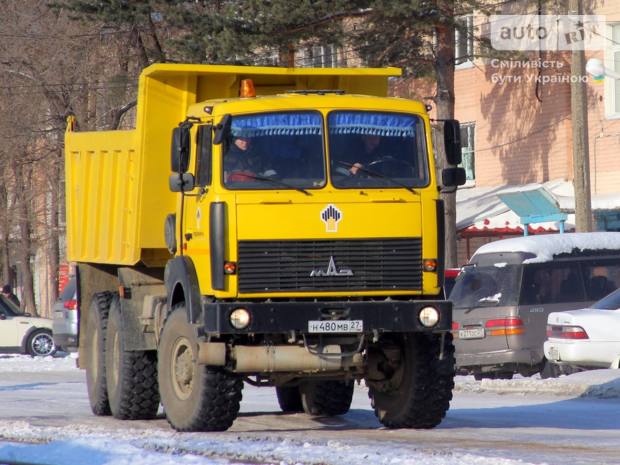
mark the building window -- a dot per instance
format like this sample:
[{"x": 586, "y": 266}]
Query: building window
[
  {"x": 612, "y": 61},
  {"x": 321, "y": 56},
  {"x": 468, "y": 137},
  {"x": 464, "y": 41}
]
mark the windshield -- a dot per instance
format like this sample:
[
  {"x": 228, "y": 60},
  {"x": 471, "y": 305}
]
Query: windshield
[
  {"x": 487, "y": 286},
  {"x": 371, "y": 149},
  {"x": 610, "y": 302},
  {"x": 275, "y": 151}
]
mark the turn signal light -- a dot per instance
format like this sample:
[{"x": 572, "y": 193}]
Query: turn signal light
[
  {"x": 566, "y": 332},
  {"x": 504, "y": 327},
  {"x": 429, "y": 264},
  {"x": 230, "y": 268},
  {"x": 247, "y": 89}
]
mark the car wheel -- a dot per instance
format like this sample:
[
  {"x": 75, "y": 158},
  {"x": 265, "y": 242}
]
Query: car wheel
[{"x": 41, "y": 343}]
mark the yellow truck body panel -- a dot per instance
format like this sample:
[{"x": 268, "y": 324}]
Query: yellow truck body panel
[{"x": 117, "y": 181}]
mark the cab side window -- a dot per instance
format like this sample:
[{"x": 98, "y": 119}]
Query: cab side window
[
  {"x": 552, "y": 283},
  {"x": 203, "y": 156}
]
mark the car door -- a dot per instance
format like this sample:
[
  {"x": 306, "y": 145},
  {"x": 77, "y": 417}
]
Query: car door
[
  {"x": 10, "y": 332},
  {"x": 546, "y": 288}
]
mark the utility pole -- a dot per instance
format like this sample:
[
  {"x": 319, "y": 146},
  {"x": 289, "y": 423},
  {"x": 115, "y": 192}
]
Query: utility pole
[{"x": 579, "y": 114}]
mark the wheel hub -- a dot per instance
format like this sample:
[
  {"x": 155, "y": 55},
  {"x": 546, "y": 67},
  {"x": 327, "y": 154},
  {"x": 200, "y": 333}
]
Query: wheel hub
[
  {"x": 183, "y": 369},
  {"x": 42, "y": 345}
]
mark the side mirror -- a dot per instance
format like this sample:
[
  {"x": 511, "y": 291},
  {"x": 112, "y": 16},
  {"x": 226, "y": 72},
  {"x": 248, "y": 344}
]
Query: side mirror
[
  {"x": 181, "y": 182},
  {"x": 222, "y": 130},
  {"x": 452, "y": 141},
  {"x": 452, "y": 177},
  {"x": 179, "y": 151}
]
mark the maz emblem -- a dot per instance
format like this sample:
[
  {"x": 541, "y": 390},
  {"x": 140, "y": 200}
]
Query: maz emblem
[{"x": 332, "y": 270}]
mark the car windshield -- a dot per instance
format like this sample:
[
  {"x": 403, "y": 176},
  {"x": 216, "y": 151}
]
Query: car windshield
[
  {"x": 275, "y": 151},
  {"x": 372, "y": 149},
  {"x": 487, "y": 286},
  {"x": 610, "y": 302}
]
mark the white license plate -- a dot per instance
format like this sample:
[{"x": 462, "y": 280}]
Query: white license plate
[
  {"x": 472, "y": 333},
  {"x": 335, "y": 326}
]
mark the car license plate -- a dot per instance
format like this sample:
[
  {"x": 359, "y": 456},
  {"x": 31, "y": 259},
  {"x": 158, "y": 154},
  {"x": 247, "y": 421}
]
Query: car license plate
[
  {"x": 554, "y": 353},
  {"x": 471, "y": 333},
  {"x": 335, "y": 326}
]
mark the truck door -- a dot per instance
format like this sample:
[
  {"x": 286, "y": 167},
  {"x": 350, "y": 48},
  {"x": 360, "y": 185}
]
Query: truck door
[{"x": 196, "y": 211}]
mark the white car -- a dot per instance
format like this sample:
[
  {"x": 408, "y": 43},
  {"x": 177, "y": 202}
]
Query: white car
[
  {"x": 588, "y": 338},
  {"x": 22, "y": 333}
]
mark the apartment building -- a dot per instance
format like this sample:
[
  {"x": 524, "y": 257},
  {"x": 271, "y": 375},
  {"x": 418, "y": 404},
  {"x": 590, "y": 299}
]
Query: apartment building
[{"x": 515, "y": 114}]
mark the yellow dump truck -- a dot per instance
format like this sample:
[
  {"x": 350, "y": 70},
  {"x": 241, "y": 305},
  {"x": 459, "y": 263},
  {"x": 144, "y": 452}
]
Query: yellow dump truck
[{"x": 280, "y": 227}]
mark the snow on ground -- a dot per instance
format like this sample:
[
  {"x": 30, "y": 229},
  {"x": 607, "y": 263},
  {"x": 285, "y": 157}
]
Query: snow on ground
[
  {"x": 28, "y": 364},
  {"x": 487, "y": 419},
  {"x": 600, "y": 384}
]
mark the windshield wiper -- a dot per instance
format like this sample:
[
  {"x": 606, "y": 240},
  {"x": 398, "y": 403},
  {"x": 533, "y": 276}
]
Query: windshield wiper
[
  {"x": 276, "y": 181},
  {"x": 376, "y": 175}
]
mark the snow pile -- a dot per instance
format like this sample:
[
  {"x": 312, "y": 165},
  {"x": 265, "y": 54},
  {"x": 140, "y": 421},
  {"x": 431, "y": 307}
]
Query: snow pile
[
  {"x": 600, "y": 384},
  {"x": 544, "y": 247},
  {"x": 136, "y": 447},
  {"x": 26, "y": 363}
]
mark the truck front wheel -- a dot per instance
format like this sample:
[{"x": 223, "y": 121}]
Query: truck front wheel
[
  {"x": 195, "y": 397},
  {"x": 409, "y": 385},
  {"x": 326, "y": 397},
  {"x": 96, "y": 327},
  {"x": 131, "y": 376}
]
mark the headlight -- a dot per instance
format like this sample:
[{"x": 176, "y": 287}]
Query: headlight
[
  {"x": 429, "y": 316},
  {"x": 240, "y": 318}
]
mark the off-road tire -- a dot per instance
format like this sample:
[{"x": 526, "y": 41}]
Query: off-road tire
[
  {"x": 195, "y": 397},
  {"x": 131, "y": 377},
  {"x": 326, "y": 398},
  {"x": 40, "y": 343},
  {"x": 423, "y": 396},
  {"x": 289, "y": 399},
  {"x": 94, "y": 349}
]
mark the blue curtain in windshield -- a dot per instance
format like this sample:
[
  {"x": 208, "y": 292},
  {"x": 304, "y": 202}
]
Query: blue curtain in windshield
[
  {"x": 277, "y": 124},
  {"x": 372, "y": 124}
]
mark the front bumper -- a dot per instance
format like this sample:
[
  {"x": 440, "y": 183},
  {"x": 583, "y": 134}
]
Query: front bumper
[{"x": 284, "y": 317}]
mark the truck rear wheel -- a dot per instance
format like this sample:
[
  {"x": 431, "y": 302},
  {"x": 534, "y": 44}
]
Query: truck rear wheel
[
  {"x": 289, "y": 399},
  {"x": 96, "y": 327},
  {"x": 195, "y": 397},
  {"x": 326, "y": 397},
  {"x": 416, "y": 387},
  {"x": 131, "y": 376}
]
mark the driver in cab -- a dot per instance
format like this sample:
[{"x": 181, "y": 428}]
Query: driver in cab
[{"x": 370, "y": 152}]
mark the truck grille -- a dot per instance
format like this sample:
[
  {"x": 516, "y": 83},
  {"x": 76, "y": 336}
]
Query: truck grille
[{"x": 311, "y": 265}]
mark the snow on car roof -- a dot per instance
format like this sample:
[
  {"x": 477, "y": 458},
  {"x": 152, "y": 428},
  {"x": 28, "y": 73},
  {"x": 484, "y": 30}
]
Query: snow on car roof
[{"x": 546, "y": 246}]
